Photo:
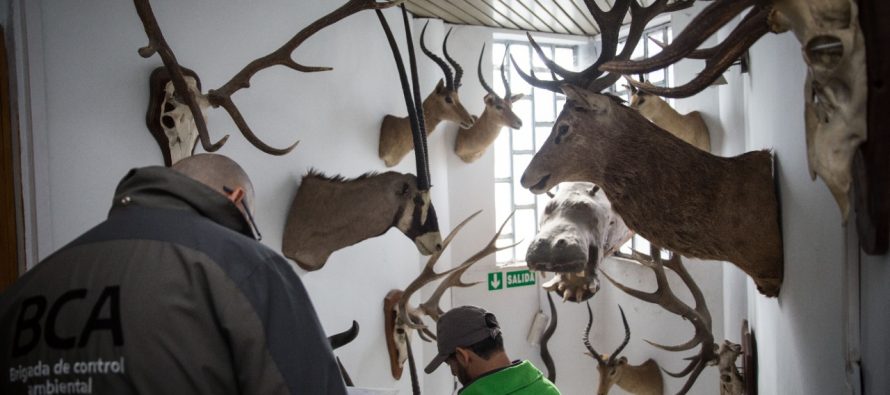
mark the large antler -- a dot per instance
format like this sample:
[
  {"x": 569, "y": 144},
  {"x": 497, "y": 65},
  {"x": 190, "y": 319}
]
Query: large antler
[
  {"x": 609, "y": 23},
  {"x": 222, "y": 97},
  {"x": 614, "y": 355},
  {"x": 699, "y": 316},
  {"x": 717, "y": 59},
  {"x": 428, "y": 275}
]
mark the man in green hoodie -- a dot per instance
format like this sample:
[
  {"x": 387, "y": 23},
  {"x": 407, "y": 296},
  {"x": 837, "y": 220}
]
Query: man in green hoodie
[{"x": 470, "y": 342}]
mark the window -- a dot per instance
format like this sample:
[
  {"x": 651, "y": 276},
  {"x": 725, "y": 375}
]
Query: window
[{"x": 514, "y": 149}]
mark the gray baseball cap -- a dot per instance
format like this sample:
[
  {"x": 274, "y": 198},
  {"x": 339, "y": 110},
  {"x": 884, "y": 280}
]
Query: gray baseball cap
[{"x": 461, "y": 327}]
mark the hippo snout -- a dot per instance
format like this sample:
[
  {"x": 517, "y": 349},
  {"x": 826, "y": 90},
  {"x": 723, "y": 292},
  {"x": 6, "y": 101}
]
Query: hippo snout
[{"x": 557, "y": 255}]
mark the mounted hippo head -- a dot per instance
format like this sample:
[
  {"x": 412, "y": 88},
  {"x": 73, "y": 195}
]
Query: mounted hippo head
[
  {"x": 330, "y": 213},
  {"x": 578, "y": 229}
]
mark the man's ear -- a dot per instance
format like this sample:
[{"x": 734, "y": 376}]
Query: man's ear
[{"x": 462, "y": 355}]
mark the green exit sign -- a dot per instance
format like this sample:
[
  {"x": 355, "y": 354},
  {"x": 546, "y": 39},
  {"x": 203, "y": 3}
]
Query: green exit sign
[{"x": 520, "y": 278}]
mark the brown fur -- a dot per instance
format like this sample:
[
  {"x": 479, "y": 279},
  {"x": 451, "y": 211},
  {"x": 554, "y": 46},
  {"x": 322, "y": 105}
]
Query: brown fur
[
  {"x": 675, "y": 195},
  {"x": 690, "y": 128},
  {"x": 471, "y": 143},
  {"x": 396, "y": 139},
  {"x": 330, "y": 213},
  {"x": 643, "y": 379}
]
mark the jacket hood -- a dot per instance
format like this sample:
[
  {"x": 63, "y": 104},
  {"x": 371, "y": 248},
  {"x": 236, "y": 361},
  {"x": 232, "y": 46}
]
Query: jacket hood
[{"x": 162, "y": 187}]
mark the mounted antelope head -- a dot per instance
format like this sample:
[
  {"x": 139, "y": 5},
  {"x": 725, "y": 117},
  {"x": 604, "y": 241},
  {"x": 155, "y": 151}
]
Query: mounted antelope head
[
  {"x": 644, "y": 379},
  {"x": 443, "y": 104},
  {"x": 471, "y": 143},
  {"x": 666, "y": 190},
  {"x": 836, "y": 88},
  {"x": 401, "y": 318},
  {"x": 699, "y": 316},
  {"x": 690, "y": 127},
  {"x": 222, "y": 97},
  {"x": 577, "y": 231},
  {"x": 330, "y": 213}
]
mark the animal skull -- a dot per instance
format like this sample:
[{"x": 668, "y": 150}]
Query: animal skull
[
  {"x": 836, "y": 90},
  {"x": 177, "y": 121}
]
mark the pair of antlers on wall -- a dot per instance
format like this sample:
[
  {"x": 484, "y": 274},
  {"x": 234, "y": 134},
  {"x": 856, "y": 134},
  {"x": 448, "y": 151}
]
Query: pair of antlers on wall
[{"x": 222, "y": 97}]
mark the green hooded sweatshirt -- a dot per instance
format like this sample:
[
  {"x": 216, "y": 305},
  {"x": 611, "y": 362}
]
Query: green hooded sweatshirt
[{"x": 519, "y": 379}]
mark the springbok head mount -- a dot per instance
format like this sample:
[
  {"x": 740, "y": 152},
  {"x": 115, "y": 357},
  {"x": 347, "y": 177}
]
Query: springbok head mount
[
  {"x": 495, "y": 104},
  {"x": 836, "y": 88},
  {"x": 222, "y": 97},
  {"x": 447, "y": 101}
]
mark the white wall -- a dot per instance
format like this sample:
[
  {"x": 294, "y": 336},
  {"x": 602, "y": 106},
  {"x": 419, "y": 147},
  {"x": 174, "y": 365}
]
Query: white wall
[
  {"x": 92, "y": 89},
  {"x": 84, "y": 93}
]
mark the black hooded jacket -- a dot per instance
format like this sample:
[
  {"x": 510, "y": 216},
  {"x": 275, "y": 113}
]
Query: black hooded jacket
[{"x": 170, "y": 295}]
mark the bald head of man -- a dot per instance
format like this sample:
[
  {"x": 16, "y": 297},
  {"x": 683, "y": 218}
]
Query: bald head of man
[{"x": 223, "y": 175}]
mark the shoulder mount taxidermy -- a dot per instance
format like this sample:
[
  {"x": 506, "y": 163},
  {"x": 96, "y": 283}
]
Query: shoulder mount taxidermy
[
  {"x": 443, "y": 104},
  {"x": 690, "y": 127},
  {"x": 471, "y": 143},
  {"x": 673, "y": 194}
]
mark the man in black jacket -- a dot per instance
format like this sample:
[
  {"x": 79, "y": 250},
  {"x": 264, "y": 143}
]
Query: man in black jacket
[{"x": 170, "y": 295}]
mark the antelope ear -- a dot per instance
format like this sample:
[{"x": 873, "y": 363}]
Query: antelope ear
[
  {"x": 516, "y": 97},
  {"x": 440, "y": 86},
  {"x": 586, "y": 99}
]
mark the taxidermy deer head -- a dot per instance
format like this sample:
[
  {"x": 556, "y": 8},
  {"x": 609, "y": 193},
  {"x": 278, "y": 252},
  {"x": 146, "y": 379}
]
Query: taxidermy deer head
[
  {"x": 443, "y": 104},
  {"x": 644, "y": 379},
  {"x": 666, "y": 190},
  {"x": 330, "y": 213},
  {"x": 577, "y": 231},
  {"x": 690, "y": 127},
  {"x": 836, "y": 89},
  {"x": 699, "y": 316},
  {"x": 401, "y": 318},
  {"x": 471, "y": 143}
]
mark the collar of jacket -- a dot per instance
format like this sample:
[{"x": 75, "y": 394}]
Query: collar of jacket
[
  {"x": 505, "y": 380},
  {"x": 162, "y": 187}
]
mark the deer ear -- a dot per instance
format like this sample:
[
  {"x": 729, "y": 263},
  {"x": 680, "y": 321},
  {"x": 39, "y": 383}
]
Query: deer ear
[
  {"x": 516, "y": 97},
  {"x": 440, "y": 86},
  {"x": 489, "y": 99}
]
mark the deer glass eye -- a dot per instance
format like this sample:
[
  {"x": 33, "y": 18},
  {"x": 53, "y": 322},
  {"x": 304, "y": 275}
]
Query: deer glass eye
[
  {"x": 405, "y": 188},
  {"x": 642, "y": 100},
  {"x": 499, "y": 107},
  {"x": 449, "y": 100},
  {"x": 561, "y": 133}
]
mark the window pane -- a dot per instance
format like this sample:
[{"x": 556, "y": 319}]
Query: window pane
[
  {"x": 497, "y": 83},
  {"x": 656, "y": 77},
  {"x": 641, "y": 244},
  {"x": 497, "y": 52},
  {"x": 522, "y": 138},
  {"x": 541, "y": 134},
  {"x": 626, "y": 248},
  {"x": 503, "y": 204},
  {"x": 526, "y": 227},
  {"x": 517, "y": 84},
  {"x": 520, "y": 194},
  {"x": 536, "y": 60},
  {"x": 502, "y": 156},
  {"x": 543, "y": 105},
  {"x": 654, "y": 48},
  {"x": 520, "y": 52},
  {"x": 504, "y": 256},
  {"x": 523, "y": 109},
  {"x": 565, "y": 57},
  {"x": 638, "y": 52}
]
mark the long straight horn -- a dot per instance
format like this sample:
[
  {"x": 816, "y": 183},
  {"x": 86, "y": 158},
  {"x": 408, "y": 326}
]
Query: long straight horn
[
  {"x": 504, "y": 74},
  {"x": 419, "y": 138},
  {"x": 449, "y": 79},
  {"x": 458, "y": 71},
  {"x": 479, "y": 72},
  {"x": 419, "y": 132}
]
